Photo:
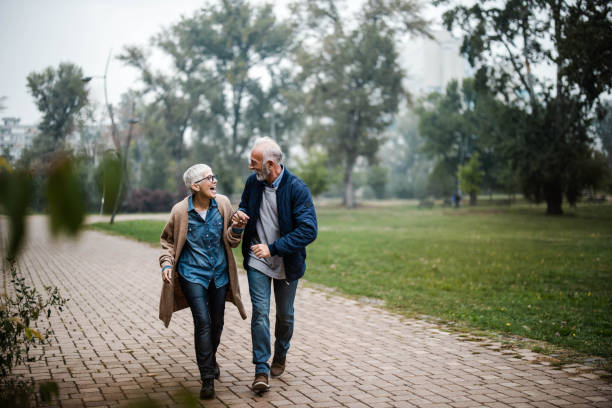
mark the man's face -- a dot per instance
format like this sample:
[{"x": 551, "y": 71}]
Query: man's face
[{"x": 256, "y": 165}]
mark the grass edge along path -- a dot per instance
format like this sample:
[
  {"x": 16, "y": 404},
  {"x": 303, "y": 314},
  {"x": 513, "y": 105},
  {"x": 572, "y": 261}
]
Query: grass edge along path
[{"x": 511, "y": 271}]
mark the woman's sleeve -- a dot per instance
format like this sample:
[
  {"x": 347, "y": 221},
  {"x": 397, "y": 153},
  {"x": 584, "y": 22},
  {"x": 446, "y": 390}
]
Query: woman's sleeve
[
  {"x": 233, "y": 238},
  {"x": 167, "y": 243}
]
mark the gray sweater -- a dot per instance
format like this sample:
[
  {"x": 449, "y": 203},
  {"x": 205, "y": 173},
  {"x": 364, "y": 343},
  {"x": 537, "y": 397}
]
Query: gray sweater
[{"x": 268, "y": 232}]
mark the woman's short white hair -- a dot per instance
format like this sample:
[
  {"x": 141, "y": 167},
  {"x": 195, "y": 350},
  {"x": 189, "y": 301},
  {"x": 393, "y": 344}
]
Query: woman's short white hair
[
  {"x": 271, "y": 150},
  {"x": 194, "y": 173}
]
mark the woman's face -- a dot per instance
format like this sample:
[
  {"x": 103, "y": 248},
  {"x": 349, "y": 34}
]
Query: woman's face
[{"x": 207, "y": 185}]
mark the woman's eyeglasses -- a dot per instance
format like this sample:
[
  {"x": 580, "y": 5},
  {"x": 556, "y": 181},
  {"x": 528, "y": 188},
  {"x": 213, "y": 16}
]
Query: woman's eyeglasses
[{"x": 212, "y": 178}]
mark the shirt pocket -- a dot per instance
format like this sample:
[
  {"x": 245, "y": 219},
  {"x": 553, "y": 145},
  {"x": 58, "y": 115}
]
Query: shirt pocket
[
  {"x": 196, "y": 231},
  {"x": 216, "y": 229}
]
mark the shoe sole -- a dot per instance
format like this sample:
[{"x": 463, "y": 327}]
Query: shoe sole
[
  {"x": 260, "y": 388},
  {"x": 207, "y": 396}
]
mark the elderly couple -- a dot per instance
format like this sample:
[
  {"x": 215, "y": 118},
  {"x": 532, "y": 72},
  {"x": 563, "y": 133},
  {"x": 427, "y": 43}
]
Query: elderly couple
[{"x": 277, "y": 217}]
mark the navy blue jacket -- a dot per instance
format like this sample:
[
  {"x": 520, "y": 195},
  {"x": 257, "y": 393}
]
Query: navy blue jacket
[{"x": 297, "y": 221}]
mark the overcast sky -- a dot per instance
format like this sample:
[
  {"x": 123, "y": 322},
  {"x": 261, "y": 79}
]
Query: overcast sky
[{"x": 36, "y": 34}]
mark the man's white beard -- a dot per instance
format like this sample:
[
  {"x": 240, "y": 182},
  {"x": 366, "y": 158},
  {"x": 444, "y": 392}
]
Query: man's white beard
[{"x": 261, "y": 176}]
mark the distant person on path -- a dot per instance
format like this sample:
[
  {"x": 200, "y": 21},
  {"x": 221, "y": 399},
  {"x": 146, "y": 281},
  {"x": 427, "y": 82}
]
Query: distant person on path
[
  {"x": 198, "y": 267},
  {"x": 280, "y": 221}
]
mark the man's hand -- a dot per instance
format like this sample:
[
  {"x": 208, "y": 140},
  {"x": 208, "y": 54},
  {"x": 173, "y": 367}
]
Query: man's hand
[
  {"x": 239, "y": 219},
  {"x": 167, "y": 275},
  {"x": 261, "y": 250}
]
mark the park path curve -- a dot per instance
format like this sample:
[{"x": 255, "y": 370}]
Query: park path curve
[{"x": 111, "y": 349}]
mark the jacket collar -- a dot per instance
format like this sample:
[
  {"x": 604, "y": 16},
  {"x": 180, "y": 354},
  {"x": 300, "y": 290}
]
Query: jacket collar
[{"x": 284, "y": 177}]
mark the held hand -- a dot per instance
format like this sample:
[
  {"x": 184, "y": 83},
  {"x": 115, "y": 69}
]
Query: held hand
[
  {"x": 261, "y": 251},
  {"x": 239, "y": 219},
  {"x": 167, "y": 275}
]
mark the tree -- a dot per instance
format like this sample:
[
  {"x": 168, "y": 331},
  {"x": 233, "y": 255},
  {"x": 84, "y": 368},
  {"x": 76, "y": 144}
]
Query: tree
[
  {"x": 5, "y": 154},
  {"x": 108, "y": 175},
  {"x": 448, "y": 138},
  {"x": 352, "y": 79},
  {"x": 377, "y": 179},
  {"x": 441, "y": 182},
  {"x": 60, "y": 95},
  {"x": 313, "y": 171},
  {"x": 462, "y": 122},
  {"x": 410, "y": 166},
  {"x": 603, "y": 129},
  {"x": 175, "y": 98},
  {"x": 218, "y": 57},
  {"x": 470, "y": 177},
  {"x": 123, "y": 150},
  {"x": 505, "y": 41}
]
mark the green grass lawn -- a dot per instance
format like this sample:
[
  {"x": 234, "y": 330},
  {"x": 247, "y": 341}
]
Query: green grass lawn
[
  {"x": 511, "y": 270},
  {"x": 141, "y": 230}
]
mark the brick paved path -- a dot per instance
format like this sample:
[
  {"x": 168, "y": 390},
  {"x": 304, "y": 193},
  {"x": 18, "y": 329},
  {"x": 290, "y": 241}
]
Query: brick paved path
[{"x": 112, "y": 349}]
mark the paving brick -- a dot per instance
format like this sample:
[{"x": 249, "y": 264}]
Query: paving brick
[{"x": 111, "y": 349}]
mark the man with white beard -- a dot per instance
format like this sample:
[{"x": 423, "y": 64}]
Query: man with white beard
[{"x": 280, "y": 222}]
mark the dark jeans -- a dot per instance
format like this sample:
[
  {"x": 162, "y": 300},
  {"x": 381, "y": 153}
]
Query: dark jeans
[{"x": 208, "y": 308}]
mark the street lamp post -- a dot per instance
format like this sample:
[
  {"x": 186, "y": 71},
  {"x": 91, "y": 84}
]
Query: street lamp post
[
  {"x": 109, "y": 107},
  {"x": 110, "y": 114},
  {"x": 122, "y": 152},
  {"x": 123, "y": 155}
]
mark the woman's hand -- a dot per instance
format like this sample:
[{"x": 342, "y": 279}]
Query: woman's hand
[
  {"x": 167, "y": 275},
  {"x": 239, "y": 219}
]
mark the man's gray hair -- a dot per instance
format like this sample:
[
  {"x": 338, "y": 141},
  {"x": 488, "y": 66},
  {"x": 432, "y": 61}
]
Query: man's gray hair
[
  {"x": 194, "y": 173},
  {"x": 271, "y": 150}
]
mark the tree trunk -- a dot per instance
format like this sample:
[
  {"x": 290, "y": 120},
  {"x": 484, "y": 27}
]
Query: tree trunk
[
  {"x": 473, "y": 197},
  {"x": 178, "y": 176},
  {"x": 554, "y": 207},
  {"x": 351, "y": 158},
  {"x": 122, "y": 184},
  {"x": 119, "y": 198},
  {"x": 554, "y": 200},
  {"x": 123, "y": 156},
  {"x": 349, "y": 193}
]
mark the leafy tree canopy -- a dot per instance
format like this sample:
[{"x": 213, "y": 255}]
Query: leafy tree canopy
[
  {"x": 350, "y": 72},
  {"x": 59, "y": 94},
  {"x": 218, "y": 57},
  {"x": 470, "y": 177},
  {"x": 505, "y": 41}
]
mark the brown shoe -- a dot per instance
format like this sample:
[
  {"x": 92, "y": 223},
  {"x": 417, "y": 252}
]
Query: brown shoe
[
  {"x": 278, "y": 366},
  {"x": 260, "y": 385}
]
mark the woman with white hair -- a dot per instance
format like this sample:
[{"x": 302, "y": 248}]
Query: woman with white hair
[{"x": 198, "y": 267}]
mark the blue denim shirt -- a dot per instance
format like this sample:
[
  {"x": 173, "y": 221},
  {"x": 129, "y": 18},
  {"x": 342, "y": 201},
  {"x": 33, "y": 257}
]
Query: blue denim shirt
[{"x": 203, "y": 256}]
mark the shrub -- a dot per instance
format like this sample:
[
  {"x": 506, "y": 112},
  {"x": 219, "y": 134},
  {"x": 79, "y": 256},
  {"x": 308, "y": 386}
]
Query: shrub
[
  {"x": 146, "y": 200},
  {"x": 19, "y": 312}
]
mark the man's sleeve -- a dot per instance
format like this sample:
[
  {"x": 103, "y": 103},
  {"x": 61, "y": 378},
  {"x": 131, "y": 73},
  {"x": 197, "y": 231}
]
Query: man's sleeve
[{"x": 244, "y": 199}]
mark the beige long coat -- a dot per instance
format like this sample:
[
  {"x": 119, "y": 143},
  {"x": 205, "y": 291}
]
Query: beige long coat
[{"x": 173, "y": 239}]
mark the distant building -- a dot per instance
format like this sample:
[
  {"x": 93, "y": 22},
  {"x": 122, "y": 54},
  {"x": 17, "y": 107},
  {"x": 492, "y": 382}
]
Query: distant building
[
  {"x": 432, "y": 63},
  {"x": 15, "y": 137}
]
